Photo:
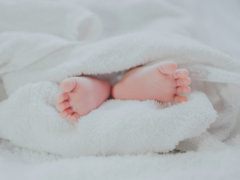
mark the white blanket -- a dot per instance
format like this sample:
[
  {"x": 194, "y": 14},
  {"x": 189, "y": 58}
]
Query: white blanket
[{"x": 42, "y": 43}]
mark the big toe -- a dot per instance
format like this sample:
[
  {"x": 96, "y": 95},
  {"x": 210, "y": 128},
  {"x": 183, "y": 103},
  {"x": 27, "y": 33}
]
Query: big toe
[{"x": 68, "y": 85}]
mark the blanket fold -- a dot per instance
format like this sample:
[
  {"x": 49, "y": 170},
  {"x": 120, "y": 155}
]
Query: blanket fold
[
  {"x": 117, "y": 127},
  {"x": 38, "y": 53},
  {"x": 56, "y": 18}
]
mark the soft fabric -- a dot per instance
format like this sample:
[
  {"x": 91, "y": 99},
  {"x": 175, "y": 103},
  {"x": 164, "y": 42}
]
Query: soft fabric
[
  {"x": 122, "y": 127},
  {"x": 17, "y": 163},
  {"x": 36, "y": 55},
  {"x": 109, "y": 126}
]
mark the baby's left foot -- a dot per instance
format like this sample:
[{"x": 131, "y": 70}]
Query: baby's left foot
[
  {"x": 81, "y": 95},
  {"x": 162, "y": 82}
]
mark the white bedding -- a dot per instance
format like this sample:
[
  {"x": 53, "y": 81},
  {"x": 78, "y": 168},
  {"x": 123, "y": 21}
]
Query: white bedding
[{"x": 38, "y": 50}]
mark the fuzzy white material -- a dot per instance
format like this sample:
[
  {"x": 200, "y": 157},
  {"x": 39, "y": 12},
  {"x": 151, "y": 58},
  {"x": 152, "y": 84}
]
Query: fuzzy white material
[
  {"x": 41, "y": 43},
  {"x": 117, "y": 127}
]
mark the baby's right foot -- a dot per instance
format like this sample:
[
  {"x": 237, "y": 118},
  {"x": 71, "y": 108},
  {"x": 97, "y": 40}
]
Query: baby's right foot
[
  {"x": 162, "y": 82},
  {"x": 81, "y": 95}
]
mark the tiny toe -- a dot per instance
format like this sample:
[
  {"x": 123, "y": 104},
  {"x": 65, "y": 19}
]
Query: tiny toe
[
  {"x": 183, "y": 81},
  {"x": 74, "y": 117},
  {"x": 68, "y": 85},
  {"x": 168, "y": 68},
  {"x": 181, "y": 73},
  {"x": 183, "y": 89},
  {"x": 62, "y": 97},
  {"x": 66, "y": 112},
  {"x": 63, "y": 105},
  {"x": 179, "y": 99}
]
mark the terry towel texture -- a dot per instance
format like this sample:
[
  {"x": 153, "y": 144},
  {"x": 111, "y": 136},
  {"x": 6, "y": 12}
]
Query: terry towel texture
[{"x": 38, "y": 50}]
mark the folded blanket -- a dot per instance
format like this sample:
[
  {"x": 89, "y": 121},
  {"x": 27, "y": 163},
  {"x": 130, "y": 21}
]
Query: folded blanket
[
  {"x": 34, "y": 59},
  {"x": 59, "y": 19}
]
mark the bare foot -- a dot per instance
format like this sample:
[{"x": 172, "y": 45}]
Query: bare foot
[
  {"x": 162, "y": 82},
  {"x": 81, "y": 95}
]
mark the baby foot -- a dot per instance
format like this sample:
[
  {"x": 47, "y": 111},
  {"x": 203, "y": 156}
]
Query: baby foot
[
  {"x": 162, "y": 82},
  {"x": 80, "y": 96}
]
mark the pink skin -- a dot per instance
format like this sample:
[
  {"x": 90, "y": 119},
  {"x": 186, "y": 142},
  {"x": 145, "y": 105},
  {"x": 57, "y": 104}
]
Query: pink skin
[
  {"x": 162, "y": 82},
  {"x": 81, "y": 95}
]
